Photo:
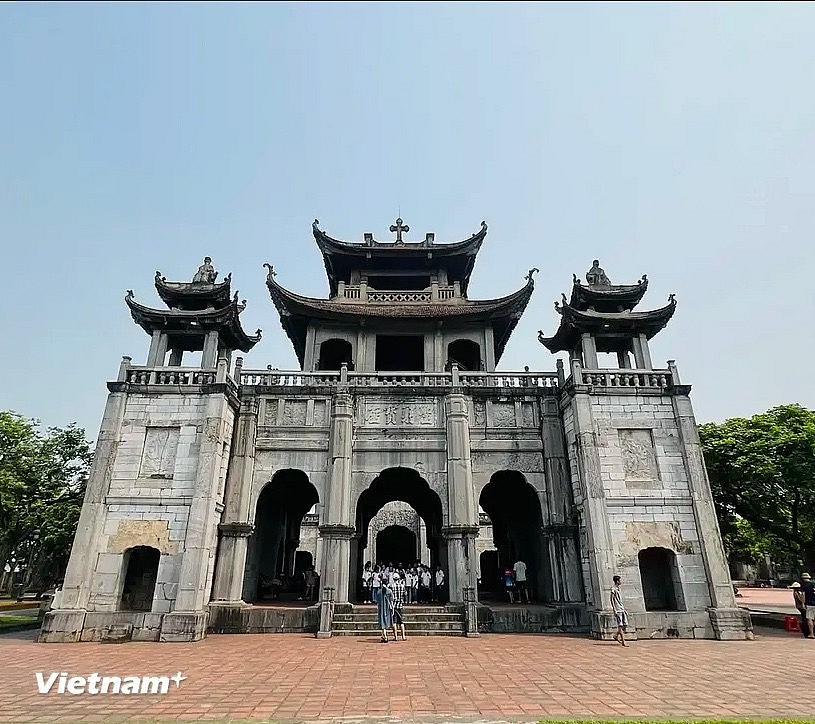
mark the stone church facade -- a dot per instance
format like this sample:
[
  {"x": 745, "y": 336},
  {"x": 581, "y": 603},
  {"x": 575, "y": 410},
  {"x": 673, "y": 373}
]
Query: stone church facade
[{"x": 214, "y": 486}]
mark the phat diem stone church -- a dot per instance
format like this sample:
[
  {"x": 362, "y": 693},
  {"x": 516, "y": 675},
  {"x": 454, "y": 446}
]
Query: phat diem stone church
[{"x": 215, "y": 486}]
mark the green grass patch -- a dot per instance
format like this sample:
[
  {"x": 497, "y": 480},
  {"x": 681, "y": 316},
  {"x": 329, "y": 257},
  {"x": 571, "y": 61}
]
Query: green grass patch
[{"x": 7, "y": 621}]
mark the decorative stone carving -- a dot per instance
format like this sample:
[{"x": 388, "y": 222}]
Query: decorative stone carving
[
  {"x": 503, "y": 414},
  {"x": 320, "y": 413},
  {"x": 402, "y": 413},
  {"x": 480, "y": 413},
  {"x": 529, "y": 462},
  {"x": 158, "y": 457},
  {"x": 528, "y": 414},
  {"x": 294, "y": 412},
  {"x": 639, "y": 458},
  {"x": 206, "y": 273},
  {"x": 270, "y": 416},
  {"x": 596, "y": 277}
]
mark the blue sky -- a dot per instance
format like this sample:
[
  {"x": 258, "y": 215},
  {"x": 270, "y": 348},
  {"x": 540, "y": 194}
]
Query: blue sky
[{"x": 671, "y": 140}]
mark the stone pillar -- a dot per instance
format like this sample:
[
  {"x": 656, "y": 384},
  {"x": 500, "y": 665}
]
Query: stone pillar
[
  {"x": 559, "y": 530},
  {"x": 623, "y": 360},
  {"x": 66, "y": 622},
  {"x": 589, "y": 351},
  {"x": 237, "y": 518},
  {"x": 188, "y": 621},
  {"x": 338, "y": 528},
  {"x": 489, "y": 349},
  {"x": 729, "y": 621},
  {"x": 158, "y": 349},
  {"x": 176, "y": 355},
  {"x": 463, "y": 511},
  {"x": 599, "y": 546},
  {"x": 642, "y": 355},
  {"x": 209, "y": 356}
]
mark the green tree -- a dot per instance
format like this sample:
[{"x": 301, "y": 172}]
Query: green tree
[
  {"x": 42, "y": 484},
  {"x": 762, "y": 474}
]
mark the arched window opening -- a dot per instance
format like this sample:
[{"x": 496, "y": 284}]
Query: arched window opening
[
  {"x": 466, "y": 354},
  {"x": 141, "y": 571},
  {"x": 661, "y": 584},
  {"x": 333, "y": 352}
]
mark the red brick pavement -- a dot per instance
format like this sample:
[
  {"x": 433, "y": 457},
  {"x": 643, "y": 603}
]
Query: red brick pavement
[{"x": 496, "y": 676}]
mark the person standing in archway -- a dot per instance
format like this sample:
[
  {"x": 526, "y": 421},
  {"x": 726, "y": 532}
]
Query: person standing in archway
[
  {"x": 376, "y": 584},
  {"x": 399, "y": 594},
  {"x": 521, "y": 582},
  {"x": 439, "y": 584},
  {"x": 366, "y": 583}
]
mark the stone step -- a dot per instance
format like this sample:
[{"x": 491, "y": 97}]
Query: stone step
[
  {"x": 410, "y": 632},
  {"x": 407, "y": 615},
  {"x": 409, "y": 625},
  {"x": 360, "y": 608}
]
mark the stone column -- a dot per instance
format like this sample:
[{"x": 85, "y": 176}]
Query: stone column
[
  {"x": 600, "y": 550},
  {"x": 589, "y": 351},
  {"x": 209, "y": 356},
  {"x": 642, "y": 355},
  {"x": 462, "y": 528},
  {"x": 559, "y": 531},
  {"x": 66, "y": 622},
  {"x": 338, "y": 528},
  {"x": 188, "y": 620},
  {"x": 237, "y": 518},
  {"x": 158, "y": 349},
  {"x": 176, "y": 356}
]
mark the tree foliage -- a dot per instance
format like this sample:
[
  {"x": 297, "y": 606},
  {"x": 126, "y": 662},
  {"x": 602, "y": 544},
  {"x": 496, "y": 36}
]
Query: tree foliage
[
  {"x": 762, "y": 474},
  {"x": 42, "y": 484}
]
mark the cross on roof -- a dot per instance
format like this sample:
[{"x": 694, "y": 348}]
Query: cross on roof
[{"x": 398, "y": 227}]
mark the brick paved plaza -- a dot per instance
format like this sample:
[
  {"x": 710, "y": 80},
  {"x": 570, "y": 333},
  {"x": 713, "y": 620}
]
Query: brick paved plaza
[{"x": 520, "y": 677}]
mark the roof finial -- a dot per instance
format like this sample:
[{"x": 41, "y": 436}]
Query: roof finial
[
  {"x": 531, "y": 273},
  {"x": 271, "y": 274},
  {"x": 398, "y": 227}
]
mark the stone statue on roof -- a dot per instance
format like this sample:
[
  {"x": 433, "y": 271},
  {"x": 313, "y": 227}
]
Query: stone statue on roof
[
  {"x": 206, "y": 273},
  {"x": 596, "y": 277}
]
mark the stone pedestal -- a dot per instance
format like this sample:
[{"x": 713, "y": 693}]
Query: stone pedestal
[
  {"x": 231, "y": 563},
  {"x": 731, "y": 624},
  {"x": 461, "y": 561},
  {"x": 336, "y": 563},
  {"x": 184, "y": 626},
  {"x": 62, "y": 626}
]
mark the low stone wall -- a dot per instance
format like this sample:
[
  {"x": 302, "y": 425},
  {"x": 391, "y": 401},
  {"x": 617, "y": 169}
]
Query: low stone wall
[
  {"x": 263, "y": 619},
  {"x": 532, "y": 619}
]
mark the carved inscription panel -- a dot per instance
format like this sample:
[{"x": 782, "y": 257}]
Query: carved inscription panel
[
  {"x": 639, "y": 458},
  {"x": 503, "y": 414},
  {"x": 294, "y": 412},
  {"x": 402, "y": 412},
  {"x": 158, "y": 457}
]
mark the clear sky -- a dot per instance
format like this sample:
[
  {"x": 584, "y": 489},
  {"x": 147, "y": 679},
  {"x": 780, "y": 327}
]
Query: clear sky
[{"x": 671, "y": 140}]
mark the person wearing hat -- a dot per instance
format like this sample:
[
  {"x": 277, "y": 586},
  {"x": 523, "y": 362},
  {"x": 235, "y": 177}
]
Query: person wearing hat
[
  {"x": 798, "y": 598},
  {"x": 808, "y": 589}
]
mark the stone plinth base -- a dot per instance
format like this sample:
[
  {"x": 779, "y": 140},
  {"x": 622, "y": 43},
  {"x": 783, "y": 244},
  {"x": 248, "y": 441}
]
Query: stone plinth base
[
  {"x": 731, "y": 624},
  {"x": 515, "y": 618},
  {"x": 243, "y": 618},
  {"x": 184, "y": 626},
  {"x": 62, "y": 626}
]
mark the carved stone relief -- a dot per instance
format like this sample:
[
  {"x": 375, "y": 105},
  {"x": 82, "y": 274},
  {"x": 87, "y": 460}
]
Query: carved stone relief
[
  {"x": 158, "y": 457},
  {"x": 639, "y": 458},
  {"x": 529, "y": 462},
  {"x": 320, "y": 413},
  {"x": 294, "y": 412},
  {"x": 528, "y": 414},
  {"x": 270, "y": 417},
  {"x": 640, "y": 535},
  {"x": 480, "y": 413},
  {"x": 401, "y": 413},
  {"x": 503, "y": 414}
]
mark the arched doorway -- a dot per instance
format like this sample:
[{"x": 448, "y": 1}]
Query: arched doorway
[
  {"x": 140, "y": 574},
  {"x": 396, "y": 545},
  {"x": 333, "y": 352},
  {"x": 270, "y": 559},
  {"x": 514, "y": 509},
  {"x": 465, "y": 353},
  {"x": 661, "y": 584},
  {"x": 489, "y": 580},
  {"x": 406, "y": 485}
]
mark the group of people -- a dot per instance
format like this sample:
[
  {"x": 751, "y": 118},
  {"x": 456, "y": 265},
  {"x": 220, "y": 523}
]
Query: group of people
[
  {"x": 804, "y": 596},
  {"x": 392, "y": 587}
]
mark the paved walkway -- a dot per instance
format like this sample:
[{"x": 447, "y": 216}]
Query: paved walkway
[{"x": 292, "y": 676}]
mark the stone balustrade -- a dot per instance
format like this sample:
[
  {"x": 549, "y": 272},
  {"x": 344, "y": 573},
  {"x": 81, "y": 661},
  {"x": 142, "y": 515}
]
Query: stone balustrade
[
  {"x": 364, "y": 293},
  {"x": 516, "y": 380},
  {"x": 658, "y": 379},
  {"x": 175, "y": 376}
]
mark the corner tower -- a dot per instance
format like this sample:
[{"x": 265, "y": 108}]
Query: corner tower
[{"x": 638, "y": 476}]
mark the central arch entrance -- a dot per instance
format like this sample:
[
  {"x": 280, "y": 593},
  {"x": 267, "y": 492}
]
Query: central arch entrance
[{"x": 408, "y": 487}]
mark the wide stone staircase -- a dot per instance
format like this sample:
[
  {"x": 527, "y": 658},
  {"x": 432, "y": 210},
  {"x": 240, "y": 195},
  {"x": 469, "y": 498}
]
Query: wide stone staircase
[{"x": 420, "y": 620}]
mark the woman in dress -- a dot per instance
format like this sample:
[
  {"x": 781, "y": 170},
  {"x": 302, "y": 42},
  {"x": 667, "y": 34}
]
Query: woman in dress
[{"x": 384, "y": 609}]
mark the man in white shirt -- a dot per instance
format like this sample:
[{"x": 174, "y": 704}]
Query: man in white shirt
[
  {"x": 521, "y": 582},
  {"x": 439, "y": 584},
  {"x": 620, "y": 615}
]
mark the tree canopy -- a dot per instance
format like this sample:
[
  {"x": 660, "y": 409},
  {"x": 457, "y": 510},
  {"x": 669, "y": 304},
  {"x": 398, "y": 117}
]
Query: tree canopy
[
  {"x": 42, "y": 484},
  {"x": 762, "y": 474}
]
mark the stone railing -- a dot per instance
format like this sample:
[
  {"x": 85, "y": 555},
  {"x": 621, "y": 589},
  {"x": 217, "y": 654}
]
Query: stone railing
[
  {"x": 364, "y": 293},
  {"x": 651, "y": 379},
  {"x": 361, "y": 380},
  {"x": 398, "y": 297},
  {"x": 170, "y": 376}
]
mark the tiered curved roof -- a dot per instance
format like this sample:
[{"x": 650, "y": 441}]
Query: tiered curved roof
[
  {"x": 296, "y": 311},
  {"x": 343, "y": 257},
  {"x": 610, "y": 298},
  {"x": 193, "y": 295}
]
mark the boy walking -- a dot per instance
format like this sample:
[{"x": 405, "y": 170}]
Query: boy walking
[{"x": 619, "y": 612}]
